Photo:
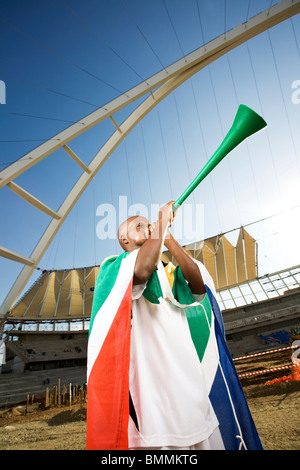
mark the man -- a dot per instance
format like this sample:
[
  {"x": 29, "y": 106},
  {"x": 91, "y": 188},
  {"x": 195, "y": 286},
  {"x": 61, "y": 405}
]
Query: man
[
  {"x": 170, "y": 361},
  {"x": 169, "y": 390}
]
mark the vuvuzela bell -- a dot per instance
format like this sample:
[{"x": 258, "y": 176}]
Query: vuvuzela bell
[{"x": 247, "y": 122}]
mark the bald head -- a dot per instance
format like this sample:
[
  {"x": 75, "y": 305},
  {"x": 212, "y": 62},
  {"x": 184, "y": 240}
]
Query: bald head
[
  {"x": 123, "y": 230},
  {"x": 133, "y": 232}
]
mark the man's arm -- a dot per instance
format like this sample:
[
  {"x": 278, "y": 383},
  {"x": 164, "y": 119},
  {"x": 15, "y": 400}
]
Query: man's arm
[
  {"x": 187, "y": 265},
  {"x": 150, "y": 252}
]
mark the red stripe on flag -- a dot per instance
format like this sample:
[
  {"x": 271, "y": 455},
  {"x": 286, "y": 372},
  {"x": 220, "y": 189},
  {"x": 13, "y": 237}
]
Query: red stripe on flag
[{"x": 108, "y": 385}]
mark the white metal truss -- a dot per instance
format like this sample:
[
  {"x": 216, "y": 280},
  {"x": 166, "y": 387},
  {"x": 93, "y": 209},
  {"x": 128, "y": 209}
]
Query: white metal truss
[{"x": 163, "y": 83}]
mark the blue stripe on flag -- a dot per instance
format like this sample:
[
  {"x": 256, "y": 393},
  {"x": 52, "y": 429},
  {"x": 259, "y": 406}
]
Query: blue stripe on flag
[{"x": 223, "y": 408}]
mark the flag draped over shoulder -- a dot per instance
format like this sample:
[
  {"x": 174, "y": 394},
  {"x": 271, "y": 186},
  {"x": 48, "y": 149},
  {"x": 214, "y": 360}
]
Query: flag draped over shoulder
[
  {"x": 109, "y": 355},
  {"x": 236, "y": 425}
]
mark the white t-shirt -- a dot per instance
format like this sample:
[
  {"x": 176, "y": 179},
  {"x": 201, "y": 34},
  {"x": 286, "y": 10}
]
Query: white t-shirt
[{"x": 167, "y": 386}]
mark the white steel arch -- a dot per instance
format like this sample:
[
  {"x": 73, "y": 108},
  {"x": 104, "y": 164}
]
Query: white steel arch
[{"x": 163, "y": 83}]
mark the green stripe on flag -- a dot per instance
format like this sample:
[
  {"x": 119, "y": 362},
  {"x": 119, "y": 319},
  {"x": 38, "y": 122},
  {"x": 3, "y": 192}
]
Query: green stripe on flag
[
  {"x": 199, "y": 327},
  {"x": 198, "y": 317},
  {"x": 106, "y": 279},
  {"x": 153, "y": 289}
]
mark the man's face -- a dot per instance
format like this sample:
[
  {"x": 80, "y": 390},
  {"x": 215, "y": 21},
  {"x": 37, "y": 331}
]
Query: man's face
[{"x": 138, "y": 231}]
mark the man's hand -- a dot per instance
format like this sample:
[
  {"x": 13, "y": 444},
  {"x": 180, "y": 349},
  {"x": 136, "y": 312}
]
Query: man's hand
[
  {"x": 165, "y": 216},
  {"x": 150, "y": 252},
  {"x": 166, "y": 213}
]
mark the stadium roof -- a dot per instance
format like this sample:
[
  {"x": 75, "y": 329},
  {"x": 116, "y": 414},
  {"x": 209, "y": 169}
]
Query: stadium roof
[
  {"x": 68, "y": 294},
  {"x": 227, "y": 264}
]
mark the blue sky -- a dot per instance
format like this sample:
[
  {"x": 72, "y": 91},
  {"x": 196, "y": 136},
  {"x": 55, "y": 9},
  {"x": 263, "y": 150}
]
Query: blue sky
[{"x": 61, "y": 60}]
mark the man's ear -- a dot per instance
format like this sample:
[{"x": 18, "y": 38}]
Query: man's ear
[{"x": 124, "y": 240}]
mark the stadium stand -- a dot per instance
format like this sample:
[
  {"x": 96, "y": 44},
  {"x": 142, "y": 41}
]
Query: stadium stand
[{"x": 14, "y": 388}]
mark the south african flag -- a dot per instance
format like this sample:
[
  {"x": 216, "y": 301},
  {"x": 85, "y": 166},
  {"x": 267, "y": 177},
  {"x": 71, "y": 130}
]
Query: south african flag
[{"x": 109, "y": 356}]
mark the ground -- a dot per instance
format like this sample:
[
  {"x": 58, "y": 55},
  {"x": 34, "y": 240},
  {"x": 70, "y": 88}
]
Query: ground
[
  {"x": 277, "y": 419},
  {"x": 275, "y": 410},
  {"x": 276, "y": 415},
  {"x": 53, "y": 429}
]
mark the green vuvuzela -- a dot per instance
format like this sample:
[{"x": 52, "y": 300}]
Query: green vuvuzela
[{"x": 247, "y": 122}]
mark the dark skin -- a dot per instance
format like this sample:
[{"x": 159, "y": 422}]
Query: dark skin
[{"x": 137, "y": 232}]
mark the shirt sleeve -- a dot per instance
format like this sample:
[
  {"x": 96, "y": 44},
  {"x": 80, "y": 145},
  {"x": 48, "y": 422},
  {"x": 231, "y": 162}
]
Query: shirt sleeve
[
  {"x": 137, "y": 290},
  {"x": 199, "y": 297}
]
